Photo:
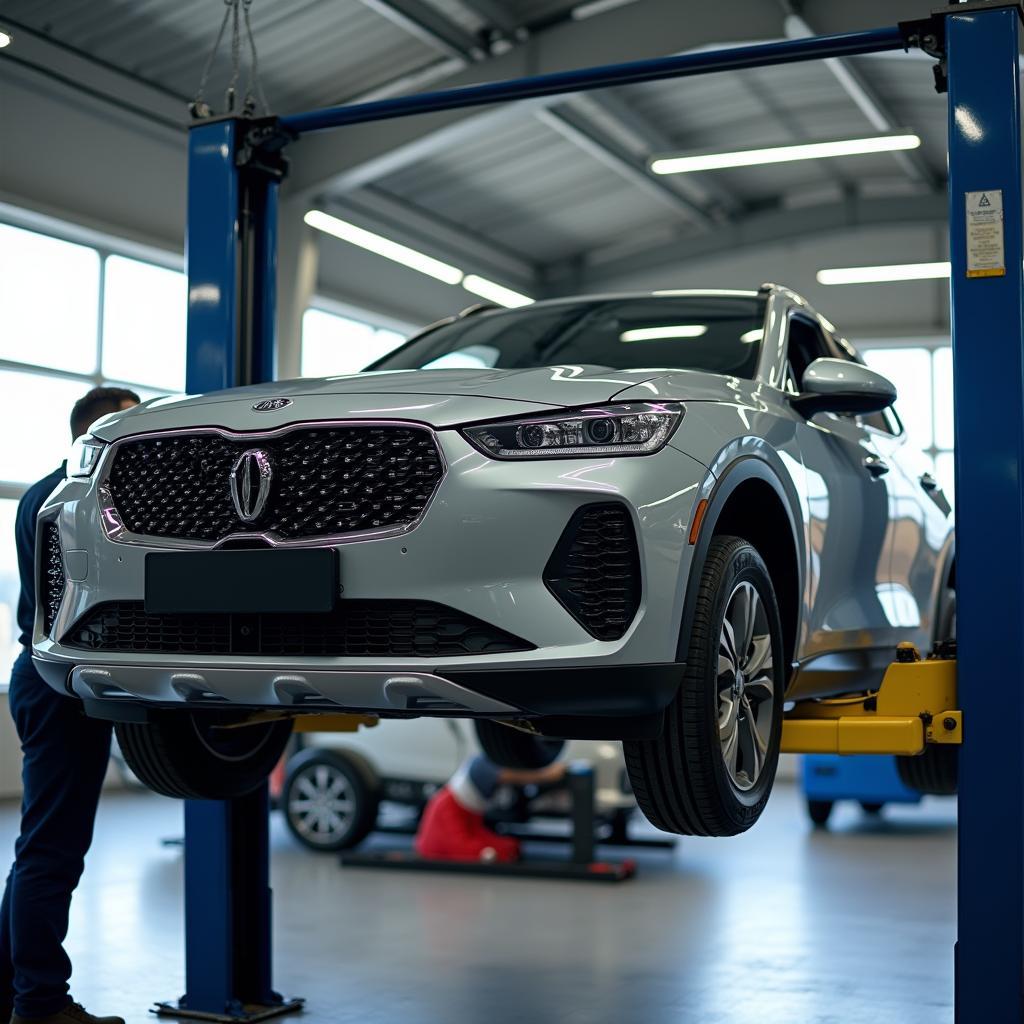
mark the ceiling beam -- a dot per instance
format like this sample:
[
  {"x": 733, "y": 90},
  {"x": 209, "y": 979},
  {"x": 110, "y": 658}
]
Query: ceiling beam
[
  {"x": 605, "y": 269},
  {"x": 856, "y": 85},
  {"x": 646, "y": 138},
  {"x": 566, "y": 120},
  {"x": 619, "y": 35},
  {"x": 74, "y": 69},
  {"x": 430, "y": 26},
  {"x": 495, "y": 15}
]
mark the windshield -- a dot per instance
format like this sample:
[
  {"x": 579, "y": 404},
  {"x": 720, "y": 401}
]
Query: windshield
[{"x": 718, "y": 334}]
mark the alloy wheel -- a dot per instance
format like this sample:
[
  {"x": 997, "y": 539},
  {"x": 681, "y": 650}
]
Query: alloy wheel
[
  {"x": 321, "y": 804},
  {"x": 745, "y": 687}
]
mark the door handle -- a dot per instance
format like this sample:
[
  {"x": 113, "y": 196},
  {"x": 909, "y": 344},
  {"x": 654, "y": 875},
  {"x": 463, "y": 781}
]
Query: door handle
[
  {"x": 928, "y": 482},
  {"x": 875, "y": 466}
]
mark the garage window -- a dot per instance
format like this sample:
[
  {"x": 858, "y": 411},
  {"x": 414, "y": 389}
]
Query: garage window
[
  {"x": 333, "y": 343},
  {"x": 74, "y": 313},
  {"x": 923, "y": 375}
]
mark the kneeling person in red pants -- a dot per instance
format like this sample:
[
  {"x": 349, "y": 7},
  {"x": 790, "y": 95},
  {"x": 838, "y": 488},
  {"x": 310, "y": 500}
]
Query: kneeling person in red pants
[{"x": 453, "y": 823}]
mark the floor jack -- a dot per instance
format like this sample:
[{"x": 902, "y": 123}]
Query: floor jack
[{"x": 580, "y": 866}]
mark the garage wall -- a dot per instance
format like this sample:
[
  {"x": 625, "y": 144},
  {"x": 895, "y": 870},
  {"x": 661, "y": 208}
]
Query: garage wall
[
  {"x": 67, "y": 154},
  {"x": 904, "y": 308}
]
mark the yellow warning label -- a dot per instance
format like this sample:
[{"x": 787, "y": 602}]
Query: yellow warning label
[{"x": 985, "y": 250}]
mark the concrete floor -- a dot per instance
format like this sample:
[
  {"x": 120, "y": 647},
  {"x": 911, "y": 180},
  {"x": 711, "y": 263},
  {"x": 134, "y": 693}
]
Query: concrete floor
[{"x": 779, "y": 926}]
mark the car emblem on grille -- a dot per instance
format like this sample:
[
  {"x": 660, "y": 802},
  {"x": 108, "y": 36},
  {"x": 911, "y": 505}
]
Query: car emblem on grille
[
  {"x": 250, "y": 484},
  {"x": 270, "y": 404}
]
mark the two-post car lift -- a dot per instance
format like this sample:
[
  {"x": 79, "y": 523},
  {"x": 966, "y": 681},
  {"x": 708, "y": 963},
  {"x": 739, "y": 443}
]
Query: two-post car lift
[{"x": 235, "y": 167}]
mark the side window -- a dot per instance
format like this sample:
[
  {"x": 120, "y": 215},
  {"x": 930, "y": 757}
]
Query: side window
[{"x": 805, "y": 344}]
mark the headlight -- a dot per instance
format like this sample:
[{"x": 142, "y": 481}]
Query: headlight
[
  {"x": 637, "y": 428},
  {"x": 84, "y": 455}
]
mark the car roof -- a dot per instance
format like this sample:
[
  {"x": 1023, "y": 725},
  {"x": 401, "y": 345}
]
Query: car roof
[{"x": 661, "y": 292}]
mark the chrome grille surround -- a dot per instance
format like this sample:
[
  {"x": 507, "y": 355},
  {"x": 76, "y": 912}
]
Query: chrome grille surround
[{"x": 115, "y": 528}]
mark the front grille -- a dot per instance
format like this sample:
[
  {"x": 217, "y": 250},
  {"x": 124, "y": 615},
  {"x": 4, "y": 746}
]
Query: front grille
[
  {"x": 356, "y": 628},
  {"x": 325, "y": 481},
  {"x": 52, "y": 579},
  {"x": 595, "y": 570}
]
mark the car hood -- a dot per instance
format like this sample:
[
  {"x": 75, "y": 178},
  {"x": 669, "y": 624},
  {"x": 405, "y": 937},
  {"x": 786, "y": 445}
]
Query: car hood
[{"x": 441, "y": 398}]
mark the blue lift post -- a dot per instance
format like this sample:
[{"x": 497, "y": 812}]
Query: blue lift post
[
  {"x": 231, "y": 252},
  {"x": 988, "y": 378},
  {"x": 234, "y": 168}
]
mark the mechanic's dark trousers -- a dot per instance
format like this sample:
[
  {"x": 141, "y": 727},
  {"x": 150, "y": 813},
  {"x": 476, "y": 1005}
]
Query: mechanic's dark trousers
[{"x": 65, "y": 760}]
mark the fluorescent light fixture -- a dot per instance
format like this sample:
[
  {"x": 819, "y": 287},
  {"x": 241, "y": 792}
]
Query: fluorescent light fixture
[
  {"x": 783, "y": 154},
  {"x": 495, "y": 292},
  {"x": 749, "y": 337},
  {"x": 656, "y": 333},
  {"x": 5, "y": 39},
  {"x": 383, "y": 247},
  {"x": 874, "y": 275}
]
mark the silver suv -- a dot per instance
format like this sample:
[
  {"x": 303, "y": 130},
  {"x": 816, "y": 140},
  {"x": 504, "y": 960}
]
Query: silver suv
[{"x": 647, "y": 517}]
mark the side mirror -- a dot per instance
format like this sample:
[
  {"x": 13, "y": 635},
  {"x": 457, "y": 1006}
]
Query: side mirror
[{"x": 836, "y": 385}]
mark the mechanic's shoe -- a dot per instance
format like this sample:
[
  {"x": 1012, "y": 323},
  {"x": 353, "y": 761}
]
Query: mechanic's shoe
[
  {"x": 73, "y": 1013},
  {"x": 450, "y": 831}
]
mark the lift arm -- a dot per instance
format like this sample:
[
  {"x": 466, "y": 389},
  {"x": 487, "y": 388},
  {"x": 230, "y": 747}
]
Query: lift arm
[{"x": 915, "y": 705}]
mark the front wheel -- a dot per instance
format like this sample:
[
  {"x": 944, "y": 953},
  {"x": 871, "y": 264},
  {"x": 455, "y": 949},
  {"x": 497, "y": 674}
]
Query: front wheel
[
  {"x": 202, "y": 755},
  {"x": 711, "y": 771}
]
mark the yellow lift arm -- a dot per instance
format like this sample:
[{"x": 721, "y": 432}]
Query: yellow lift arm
[{"x": 915, "y": 705}]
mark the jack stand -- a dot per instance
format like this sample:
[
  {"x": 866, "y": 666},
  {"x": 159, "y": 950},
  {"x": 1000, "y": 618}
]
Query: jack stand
[
  {"x": 581, "y": 867},
  {"x": 228, "y": 914}
]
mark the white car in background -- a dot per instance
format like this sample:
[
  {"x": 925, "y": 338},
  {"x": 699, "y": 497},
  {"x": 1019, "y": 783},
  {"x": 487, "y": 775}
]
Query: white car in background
[{"x": 332, "y": 793}]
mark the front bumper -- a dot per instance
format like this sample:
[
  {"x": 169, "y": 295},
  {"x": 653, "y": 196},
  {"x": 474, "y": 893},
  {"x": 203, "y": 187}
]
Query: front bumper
[
  {"x": 600, "y": 696},
  {"x": 481, "y": 549}
]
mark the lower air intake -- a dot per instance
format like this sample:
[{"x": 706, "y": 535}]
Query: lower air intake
[
  {"x": 357, "y": 628},
  {"x": 594, "y": 570},
  {"x": 52, "y": 578}
]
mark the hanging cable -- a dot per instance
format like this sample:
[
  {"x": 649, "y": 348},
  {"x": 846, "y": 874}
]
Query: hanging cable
[
  {"x": 235, "y": 11},
  {"x": 254, "y": 83}
]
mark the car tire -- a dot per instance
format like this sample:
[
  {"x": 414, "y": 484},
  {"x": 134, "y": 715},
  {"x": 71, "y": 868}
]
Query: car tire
[
  {"x": 192, "y": 756},
  {"x": 513, "y": 748},
  {"x": 330, "y": 800},
  {"x": 705, "y": 776},
  {"x": 936, "y": 772},
  {"x": 819, "y": 811}
]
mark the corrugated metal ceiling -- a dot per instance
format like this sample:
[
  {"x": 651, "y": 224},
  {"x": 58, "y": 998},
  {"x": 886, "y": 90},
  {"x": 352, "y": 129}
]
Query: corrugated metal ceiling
[
  {"x": 518, "y": 181},
  {"x": 311, "y": 52}
]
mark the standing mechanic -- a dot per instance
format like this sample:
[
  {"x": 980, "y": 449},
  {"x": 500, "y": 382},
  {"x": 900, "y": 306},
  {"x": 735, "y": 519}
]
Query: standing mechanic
[{"x": 65, "y": 761}]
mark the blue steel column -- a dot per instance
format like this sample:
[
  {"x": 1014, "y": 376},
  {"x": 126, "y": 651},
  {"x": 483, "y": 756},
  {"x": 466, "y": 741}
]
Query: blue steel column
[
  {"x": 988, "y": 372},
  {"x": 230, "y": 244},
  {"x": 212, "y": 258}
]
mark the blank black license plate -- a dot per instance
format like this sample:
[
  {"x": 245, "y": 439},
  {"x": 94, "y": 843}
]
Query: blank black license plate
[{"x": 242, "y": 581}]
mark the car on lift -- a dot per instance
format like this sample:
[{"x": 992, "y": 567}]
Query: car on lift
[
  {"x": 339, "y": 787},
  {"x": 642, "y": 517}
]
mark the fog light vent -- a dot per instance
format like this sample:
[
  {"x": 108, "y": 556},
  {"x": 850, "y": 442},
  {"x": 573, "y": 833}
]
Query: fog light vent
[
  {"x": 594, "y": 570},
  {"x": 52, "y": 575}
]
